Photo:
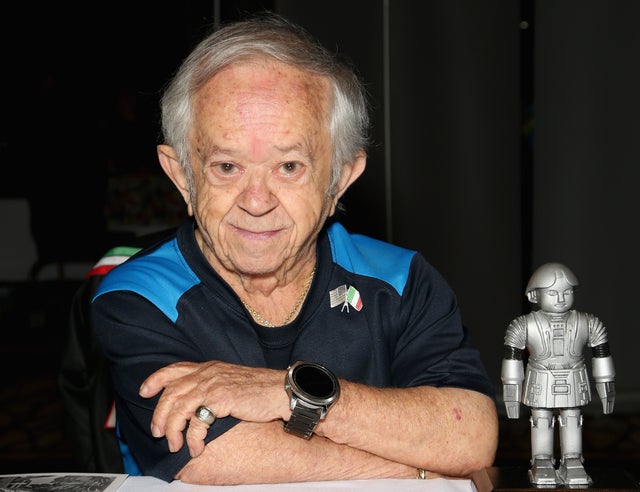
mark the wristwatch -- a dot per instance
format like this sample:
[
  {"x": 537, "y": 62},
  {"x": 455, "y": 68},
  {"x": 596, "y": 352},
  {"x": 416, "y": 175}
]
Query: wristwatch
[{"x": 312, "y": 389}]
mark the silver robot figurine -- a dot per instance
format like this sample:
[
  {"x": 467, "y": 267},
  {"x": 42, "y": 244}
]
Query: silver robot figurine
[{"x": 556, "y": 338}]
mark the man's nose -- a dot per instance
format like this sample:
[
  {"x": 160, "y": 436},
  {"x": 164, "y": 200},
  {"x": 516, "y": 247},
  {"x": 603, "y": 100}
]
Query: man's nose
[{"x": 258, "y": 196}]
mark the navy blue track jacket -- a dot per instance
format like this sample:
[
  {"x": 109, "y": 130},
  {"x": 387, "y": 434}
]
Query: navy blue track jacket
[{"x": 376, "y": 314}]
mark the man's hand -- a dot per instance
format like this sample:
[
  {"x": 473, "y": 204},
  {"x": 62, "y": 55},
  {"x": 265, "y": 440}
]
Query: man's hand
[{"x": 247, "y": 393}]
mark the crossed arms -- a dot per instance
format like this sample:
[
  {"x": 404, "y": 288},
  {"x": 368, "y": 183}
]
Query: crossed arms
[{"x": 369, "y": 433}]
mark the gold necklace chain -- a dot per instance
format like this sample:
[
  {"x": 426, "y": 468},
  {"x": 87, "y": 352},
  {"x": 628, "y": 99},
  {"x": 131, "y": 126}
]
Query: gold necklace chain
[{"x": 268, "y": 323}]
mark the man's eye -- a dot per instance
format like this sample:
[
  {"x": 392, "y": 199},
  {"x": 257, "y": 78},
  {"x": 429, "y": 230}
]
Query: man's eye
[
  {"x": 552, "y": 293},
  {"x": 290, "y": 167},
  {"x": 226, "y": 168}
]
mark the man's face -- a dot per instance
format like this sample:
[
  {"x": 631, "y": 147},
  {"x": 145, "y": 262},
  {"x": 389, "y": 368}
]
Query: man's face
[
  {"x": 261, "y": 156},
  {"x": 556, "y": 299}
]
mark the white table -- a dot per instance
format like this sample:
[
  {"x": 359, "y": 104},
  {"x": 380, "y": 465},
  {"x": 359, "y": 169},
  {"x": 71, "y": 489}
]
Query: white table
[{"x": 150, "y": 484}]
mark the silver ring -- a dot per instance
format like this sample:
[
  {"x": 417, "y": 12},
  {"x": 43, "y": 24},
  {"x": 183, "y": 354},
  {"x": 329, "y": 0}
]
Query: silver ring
[{"x": 205, "y": 415}]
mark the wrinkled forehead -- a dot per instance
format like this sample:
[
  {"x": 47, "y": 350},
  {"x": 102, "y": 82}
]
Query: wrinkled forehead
[
  {"x": 261, "y": 101},
  {"x": 267, "y": 76}
]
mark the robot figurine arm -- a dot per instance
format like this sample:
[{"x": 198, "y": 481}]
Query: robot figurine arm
[
  {"x": 512, "y": 376},
  {"x": 604, "y": 375}
]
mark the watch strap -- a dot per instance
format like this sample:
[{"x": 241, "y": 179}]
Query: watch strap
[{"x": 303, "y": 421}]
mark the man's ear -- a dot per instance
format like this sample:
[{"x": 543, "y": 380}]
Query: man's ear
[
  {"x": 350, "y": 172},
  {"x": 532, "y": 295},
  {"x": 174, "y": 170}
]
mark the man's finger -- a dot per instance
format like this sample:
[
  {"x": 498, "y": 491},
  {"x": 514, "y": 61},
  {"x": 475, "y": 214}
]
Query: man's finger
[{"x": 196, "y": 433}]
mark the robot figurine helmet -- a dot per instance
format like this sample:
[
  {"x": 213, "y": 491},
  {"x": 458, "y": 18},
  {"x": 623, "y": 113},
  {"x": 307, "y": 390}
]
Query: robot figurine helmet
[{"x": 546, "y": 275}]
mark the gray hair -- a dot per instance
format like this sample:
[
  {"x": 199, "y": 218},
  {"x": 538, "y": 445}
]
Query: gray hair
[{"x": 267, "y": 36}]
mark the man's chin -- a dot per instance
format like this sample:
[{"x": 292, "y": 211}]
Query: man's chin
[{"x": 259, "y": 266}]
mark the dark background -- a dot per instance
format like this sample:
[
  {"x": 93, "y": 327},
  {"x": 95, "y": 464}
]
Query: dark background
[{"x": 506, "y": 135}]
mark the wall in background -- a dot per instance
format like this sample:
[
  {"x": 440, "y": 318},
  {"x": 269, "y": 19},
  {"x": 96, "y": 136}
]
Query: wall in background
[
  {"x": 455, "y": 148},
  {"x": 587, "y": 160}
]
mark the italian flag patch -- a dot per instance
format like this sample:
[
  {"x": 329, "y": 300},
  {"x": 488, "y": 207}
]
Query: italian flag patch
[{"x": 353, "y": 298}]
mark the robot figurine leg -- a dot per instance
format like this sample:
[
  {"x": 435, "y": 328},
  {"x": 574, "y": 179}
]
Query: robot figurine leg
[
  {"x": 542, "y": 472},
  {"x": 571, "y": 470}
]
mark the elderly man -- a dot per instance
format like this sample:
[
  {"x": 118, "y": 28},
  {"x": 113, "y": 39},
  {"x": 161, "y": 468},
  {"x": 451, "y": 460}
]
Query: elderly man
[{"x": 263, "y": 342}]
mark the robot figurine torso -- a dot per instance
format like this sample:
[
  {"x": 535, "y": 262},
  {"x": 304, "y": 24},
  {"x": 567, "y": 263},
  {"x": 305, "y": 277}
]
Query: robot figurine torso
[{"x": 556, "y": 374}]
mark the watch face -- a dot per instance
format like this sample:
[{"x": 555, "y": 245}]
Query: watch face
[{"x": 314, "y": 381}]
